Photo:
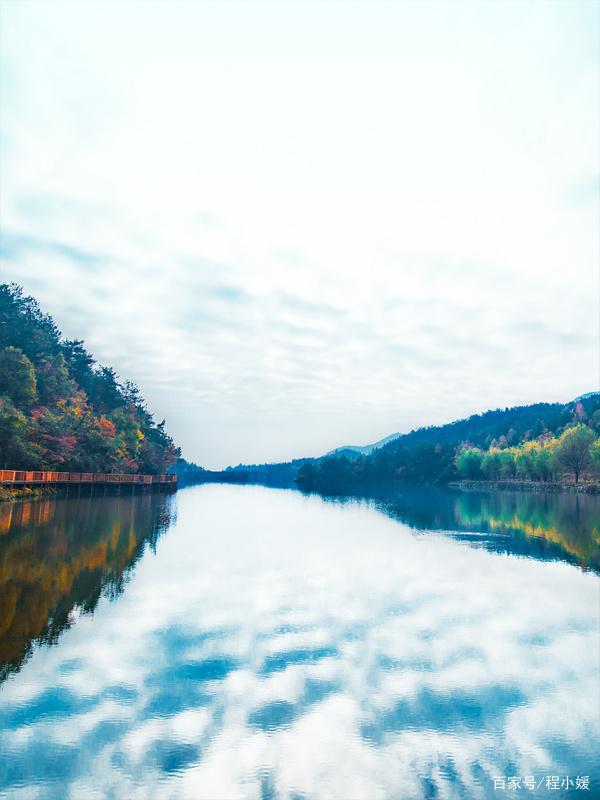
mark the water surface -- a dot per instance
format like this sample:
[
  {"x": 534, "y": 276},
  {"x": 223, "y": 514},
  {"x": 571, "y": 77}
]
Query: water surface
[{"x": 244, "y": 642}]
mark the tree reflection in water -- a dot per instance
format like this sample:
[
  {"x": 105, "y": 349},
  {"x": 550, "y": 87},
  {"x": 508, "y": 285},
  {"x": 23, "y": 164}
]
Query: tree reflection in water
[
  {"x": 553, "y": 526},
  {"x": 281, "y": 645},
  {"x": 58, "y": 557}
]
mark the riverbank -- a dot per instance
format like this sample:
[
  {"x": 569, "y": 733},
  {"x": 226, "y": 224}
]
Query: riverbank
[{"x": 526, "y": 486}]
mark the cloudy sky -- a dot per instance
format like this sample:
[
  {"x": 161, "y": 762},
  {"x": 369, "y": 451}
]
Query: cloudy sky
[{"x": 297, "y": 226}]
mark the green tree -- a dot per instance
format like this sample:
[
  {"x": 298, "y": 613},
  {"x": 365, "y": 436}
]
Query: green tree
[
  {"x": 547, "y": 459},
  {"x": 106, "y": 393},
  {"x": 23, "y": 324},
  {"x": 79, "y": 363},
  {"x": 17, "y": 377},
  {"x": 573, "y": 450},
  {"x": 16, "y": 448},
  {"x": 491, "y": 463},
  {"x": 595, "y": 453},
  {"x": 53, "y": 379},
  {"x": 468, "y": 463},
  {"x": 508, "y": 466}
]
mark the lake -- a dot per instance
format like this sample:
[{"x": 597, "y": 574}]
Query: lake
[{"x": 246, "y": 642}]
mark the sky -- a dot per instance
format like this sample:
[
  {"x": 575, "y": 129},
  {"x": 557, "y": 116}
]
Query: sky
[{"x": 303, "y": 225}]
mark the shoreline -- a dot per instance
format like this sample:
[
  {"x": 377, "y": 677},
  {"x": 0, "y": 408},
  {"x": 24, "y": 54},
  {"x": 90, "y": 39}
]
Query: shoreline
[
  {"x": 19, "y": 494},
  {"x": 546, "y": 487},
  {"x": 14, "y": 494}
]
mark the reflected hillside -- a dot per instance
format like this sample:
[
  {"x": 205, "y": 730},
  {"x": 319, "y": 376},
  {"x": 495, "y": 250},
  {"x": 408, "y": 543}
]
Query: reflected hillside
[
  {"x": 563, "y": 525},
  {"x": 58, "y": 557},
  {"x": 559, "y": 526}
]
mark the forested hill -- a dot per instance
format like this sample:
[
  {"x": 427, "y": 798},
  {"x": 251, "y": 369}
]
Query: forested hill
[
  {"x": 506, "y": 425},
  {"x": 59, "y": 409},
  {"x": 529, "y": 442}
]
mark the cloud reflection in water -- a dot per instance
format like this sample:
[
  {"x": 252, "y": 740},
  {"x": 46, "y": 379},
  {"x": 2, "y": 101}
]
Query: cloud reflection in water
[{"x": 281, "y": 646}]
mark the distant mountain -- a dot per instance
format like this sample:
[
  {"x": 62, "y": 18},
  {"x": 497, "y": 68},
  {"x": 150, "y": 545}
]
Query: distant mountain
[
  {"x": 515, "y": 424},
  {"x": 427, "y": 455},
  {"x": 352, "y": 450}
]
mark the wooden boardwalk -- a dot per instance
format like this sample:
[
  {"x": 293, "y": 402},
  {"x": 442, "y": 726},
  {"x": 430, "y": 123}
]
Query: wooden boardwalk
[{"x": 18, "y": 477}]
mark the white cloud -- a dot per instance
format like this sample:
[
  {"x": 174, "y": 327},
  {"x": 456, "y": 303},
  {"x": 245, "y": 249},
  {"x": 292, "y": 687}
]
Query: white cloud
[{"x": 310, "y": 224}]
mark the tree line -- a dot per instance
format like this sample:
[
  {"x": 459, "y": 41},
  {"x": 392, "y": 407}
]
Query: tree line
[
  {"x": 59, "y": 409},
  {"x": 545, "y": 459},
  {"x": 541, "y": 442}
]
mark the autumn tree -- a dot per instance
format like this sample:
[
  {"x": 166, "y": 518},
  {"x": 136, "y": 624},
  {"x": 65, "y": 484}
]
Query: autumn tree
[{"x": 58, "y": 407}]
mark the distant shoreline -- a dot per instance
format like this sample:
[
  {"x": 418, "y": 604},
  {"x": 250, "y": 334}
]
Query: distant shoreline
[
  {"x": 548, "y": 487},
  {"x": 14, "y": 494}
]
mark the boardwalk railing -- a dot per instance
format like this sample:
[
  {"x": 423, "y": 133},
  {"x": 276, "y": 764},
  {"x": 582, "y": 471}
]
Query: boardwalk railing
[{"x": 18, "y": 476}]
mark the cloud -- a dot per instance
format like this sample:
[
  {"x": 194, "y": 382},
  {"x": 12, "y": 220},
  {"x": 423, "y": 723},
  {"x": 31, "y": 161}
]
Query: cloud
[
  {"x": 288, "y": 253},
  {"x": 14, "y": 247}
]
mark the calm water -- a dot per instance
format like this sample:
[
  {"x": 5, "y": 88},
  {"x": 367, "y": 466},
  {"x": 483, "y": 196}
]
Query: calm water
[{"x": 244, "y": 642}]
